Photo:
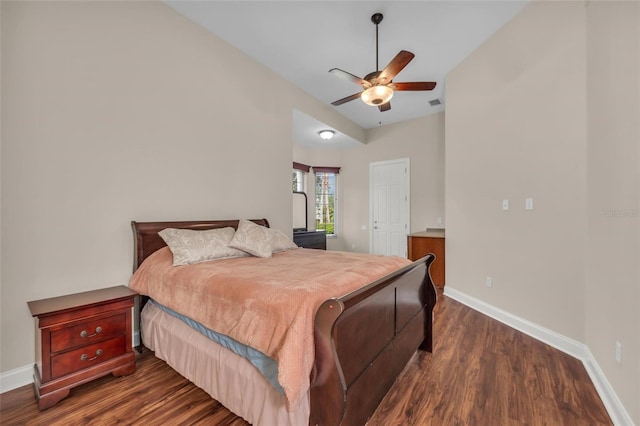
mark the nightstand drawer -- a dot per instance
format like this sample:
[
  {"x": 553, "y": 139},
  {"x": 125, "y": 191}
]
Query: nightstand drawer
[
  {"x": 86, "y": 333},
  {"x": 86, "y": 356}
]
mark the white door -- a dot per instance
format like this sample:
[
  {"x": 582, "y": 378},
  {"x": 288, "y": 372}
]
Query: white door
[{"x": 389, "y": 215}]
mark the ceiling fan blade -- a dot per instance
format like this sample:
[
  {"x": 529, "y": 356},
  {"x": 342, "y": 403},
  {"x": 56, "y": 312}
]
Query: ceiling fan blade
[
  {"x": 416, "y": 85},
  {"x": 347, "y": 99},
  {"x": 395, "y": 66},
  {"x": 384, "y": 107},
  {"x": 350, "y": 77}
]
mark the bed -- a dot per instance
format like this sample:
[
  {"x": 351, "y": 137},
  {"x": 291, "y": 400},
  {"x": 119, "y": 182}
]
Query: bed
[{"x": 360, "y": 340}]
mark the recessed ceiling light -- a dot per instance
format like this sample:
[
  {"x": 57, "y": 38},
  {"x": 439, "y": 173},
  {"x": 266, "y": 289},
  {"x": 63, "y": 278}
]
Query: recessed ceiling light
[{"x": 326, "y": 134}]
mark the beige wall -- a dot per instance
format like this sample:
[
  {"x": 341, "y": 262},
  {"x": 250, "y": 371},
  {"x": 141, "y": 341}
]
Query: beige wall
[
  {"x": 516, "y": 129},
  {"x": 120, "y": 111},
  {"x": 548, "y": 109},
  {"x": 421, "y": 140},
  {"x": 613, "y": 182}
]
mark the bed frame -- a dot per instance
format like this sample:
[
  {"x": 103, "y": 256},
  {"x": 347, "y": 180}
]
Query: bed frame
[{"x": 362, "y": 340}]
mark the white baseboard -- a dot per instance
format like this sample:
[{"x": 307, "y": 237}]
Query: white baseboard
[
  {"x": 619, "y": 416},
  {"x": 16, "y": 378},
  {"x": 13, "y": 379},
  {"x": 136, "y": 338}
]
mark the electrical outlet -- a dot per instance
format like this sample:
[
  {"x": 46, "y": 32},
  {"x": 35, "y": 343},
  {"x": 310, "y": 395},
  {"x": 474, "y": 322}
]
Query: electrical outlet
[
  {"x": 489, "y": 282},
  {"x": 505, "y": 205},
  {"x": 619, "y": 352}
]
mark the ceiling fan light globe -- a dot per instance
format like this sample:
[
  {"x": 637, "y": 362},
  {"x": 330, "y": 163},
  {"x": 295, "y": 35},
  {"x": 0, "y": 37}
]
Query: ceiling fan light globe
[{"x": 377, "y": 95}]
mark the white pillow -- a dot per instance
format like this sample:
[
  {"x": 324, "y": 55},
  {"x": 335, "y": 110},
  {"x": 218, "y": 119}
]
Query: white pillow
[
  {"x": 252, "y": 238},
  {"x": 190, "y": 246},
  {"x": 280, "y": 241}
]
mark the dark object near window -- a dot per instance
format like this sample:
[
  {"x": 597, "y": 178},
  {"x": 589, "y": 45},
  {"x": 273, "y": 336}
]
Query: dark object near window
[{"x": 299, "y": 211}]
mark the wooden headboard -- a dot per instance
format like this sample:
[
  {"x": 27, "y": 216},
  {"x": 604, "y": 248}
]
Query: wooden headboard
[{"x": 146, "y": 239}]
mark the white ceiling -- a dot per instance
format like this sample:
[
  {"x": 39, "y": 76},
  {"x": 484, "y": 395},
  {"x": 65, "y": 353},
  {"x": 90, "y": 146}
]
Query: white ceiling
[{"x": 302, "y": 40}]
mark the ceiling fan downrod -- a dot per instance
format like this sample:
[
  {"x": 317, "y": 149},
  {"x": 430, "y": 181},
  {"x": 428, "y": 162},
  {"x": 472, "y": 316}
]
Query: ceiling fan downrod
[{"x": 376, "y": 18}]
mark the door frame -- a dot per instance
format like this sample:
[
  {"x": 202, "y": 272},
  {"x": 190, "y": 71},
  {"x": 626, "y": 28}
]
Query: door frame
[{"x": 406, "y": 161}]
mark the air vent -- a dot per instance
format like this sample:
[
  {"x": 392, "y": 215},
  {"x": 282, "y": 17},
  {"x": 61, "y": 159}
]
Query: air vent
[{"x": 435, "y": 102}]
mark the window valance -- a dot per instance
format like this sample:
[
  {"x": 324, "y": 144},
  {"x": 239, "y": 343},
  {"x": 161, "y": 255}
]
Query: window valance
[
  {"x": 302, "y": 167},
  {"x": 319, "y": 169}
]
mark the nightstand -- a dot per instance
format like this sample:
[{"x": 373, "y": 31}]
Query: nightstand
[{"x": 81, "y": 337}]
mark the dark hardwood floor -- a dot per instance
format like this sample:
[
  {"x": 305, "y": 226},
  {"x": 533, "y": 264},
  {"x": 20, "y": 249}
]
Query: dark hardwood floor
[{"x": 480, "y": 373}]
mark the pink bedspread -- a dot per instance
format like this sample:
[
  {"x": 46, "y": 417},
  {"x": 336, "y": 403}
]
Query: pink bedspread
[{"x": 268, "y": 304}]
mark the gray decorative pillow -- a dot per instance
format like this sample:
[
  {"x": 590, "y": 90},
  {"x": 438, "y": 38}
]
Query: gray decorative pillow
[
  {"x": 280, "y": 241},
  {"x": 252, "y": 238},
  {"x": 189, "y": 246}
]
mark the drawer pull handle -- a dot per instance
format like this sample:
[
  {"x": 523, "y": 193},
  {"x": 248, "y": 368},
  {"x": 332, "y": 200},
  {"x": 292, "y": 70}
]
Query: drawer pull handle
[
  {"x": 85, "y": 357},
  {"x": 84, "y": 333}
]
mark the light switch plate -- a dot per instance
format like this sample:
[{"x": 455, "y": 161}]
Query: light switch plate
[{"x": 528, "y": 204}]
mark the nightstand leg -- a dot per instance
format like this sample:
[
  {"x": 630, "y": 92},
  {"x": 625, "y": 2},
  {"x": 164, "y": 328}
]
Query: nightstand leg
[{"x": 50, "y": 399}]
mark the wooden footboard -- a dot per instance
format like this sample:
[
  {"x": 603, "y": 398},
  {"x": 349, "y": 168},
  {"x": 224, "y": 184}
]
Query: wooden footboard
[{"x": 365, "y": 339}]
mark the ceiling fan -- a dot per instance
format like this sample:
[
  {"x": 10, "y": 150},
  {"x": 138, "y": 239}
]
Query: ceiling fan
[{"x": 378, "y": 86}]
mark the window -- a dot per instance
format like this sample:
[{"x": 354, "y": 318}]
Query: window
[
  {"x": 298, "y": 180},
  {"x": 300, "y": 176},
  {"x": 326, "y": 199}
]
